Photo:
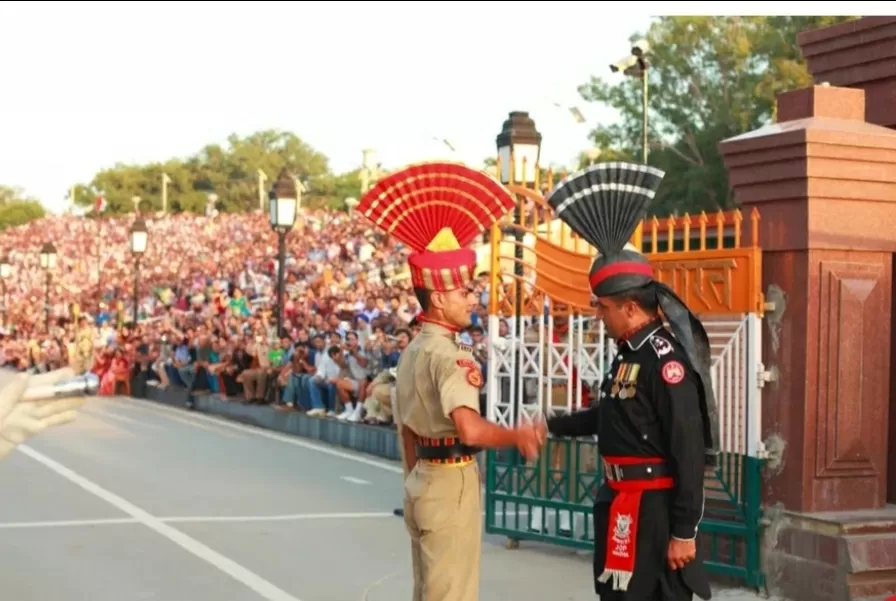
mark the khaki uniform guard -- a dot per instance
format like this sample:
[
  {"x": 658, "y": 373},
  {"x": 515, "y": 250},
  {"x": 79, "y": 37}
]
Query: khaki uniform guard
[
  {"x": 437, "y": 209},
  {"x": 442, "y": 503}
]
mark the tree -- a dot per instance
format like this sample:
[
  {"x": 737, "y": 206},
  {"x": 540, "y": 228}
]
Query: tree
[
  {"x": 709, "y": 78},
  {"x": 10, "y": 194},
  {"x": 16, "y": 208},
  {"x": 330, "y": 191},
  {"x": 229, "y": 171}
]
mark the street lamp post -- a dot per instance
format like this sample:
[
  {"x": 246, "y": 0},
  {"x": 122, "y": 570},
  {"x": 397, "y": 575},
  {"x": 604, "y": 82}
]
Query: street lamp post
[
  {"x": 283, "y": 199},
  {"x": 139, "y": 240},
  {"x": 519, "y": 149},
  {"x": 635, "y": 65},
  {"x": 48, "y": 264},
  {"x": 5, "y": 274}
]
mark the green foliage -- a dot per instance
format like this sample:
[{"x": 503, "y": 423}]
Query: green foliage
[
  {"x": 16, "y": 208},
  {"x": 332, "y": 190},
  {"x": 229, "y": 171},
  {"x": 20, "y": 212},
  {"x": 709, "y": 78}
]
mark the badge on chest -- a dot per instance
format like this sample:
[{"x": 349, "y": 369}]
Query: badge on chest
[{"x": 625, "y": 380}]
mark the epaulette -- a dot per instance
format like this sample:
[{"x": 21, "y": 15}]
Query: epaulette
[
  {"x": 661, "y": 346},
  {"x": 464, "y": 347}
]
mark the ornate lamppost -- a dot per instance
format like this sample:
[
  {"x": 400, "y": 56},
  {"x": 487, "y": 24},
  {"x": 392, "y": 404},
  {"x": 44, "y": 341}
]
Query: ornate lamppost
[
  {"x": 283, "y": 200},
  {"x": 139, "y": 240}
]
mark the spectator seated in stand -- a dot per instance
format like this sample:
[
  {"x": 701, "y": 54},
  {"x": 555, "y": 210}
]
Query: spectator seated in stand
[{"x": 206, "y": 306}]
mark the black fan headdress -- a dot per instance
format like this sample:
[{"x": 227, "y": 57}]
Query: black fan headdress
[{"x": 604, "y": 204}]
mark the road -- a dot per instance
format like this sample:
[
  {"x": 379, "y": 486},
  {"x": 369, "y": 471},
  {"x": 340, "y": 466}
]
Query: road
[{"x": 137, "y": 501}]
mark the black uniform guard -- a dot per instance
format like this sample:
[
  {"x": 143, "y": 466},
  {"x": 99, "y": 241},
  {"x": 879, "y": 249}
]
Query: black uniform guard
[{"x": 655, "y": 415}]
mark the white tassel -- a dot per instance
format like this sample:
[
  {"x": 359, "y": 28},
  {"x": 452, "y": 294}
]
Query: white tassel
[{"x": 621, "y": 579}]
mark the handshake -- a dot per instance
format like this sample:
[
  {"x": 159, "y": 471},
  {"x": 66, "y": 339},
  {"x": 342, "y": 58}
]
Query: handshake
[{"x": 529, "y": 439}]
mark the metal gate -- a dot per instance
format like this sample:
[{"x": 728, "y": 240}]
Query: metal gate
[{"x": 545, "y": 352}]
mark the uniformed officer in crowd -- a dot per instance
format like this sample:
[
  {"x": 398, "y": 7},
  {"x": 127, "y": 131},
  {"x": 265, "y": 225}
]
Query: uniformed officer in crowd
[
  {"x": 655, "y": 412},
  {"x": 436, "y": 210}
]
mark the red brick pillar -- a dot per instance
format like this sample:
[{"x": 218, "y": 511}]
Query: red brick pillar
[
  {"x": 824, "y": 181},
  {"x": 825, "y": 185},
  {"x": 861, "y": 54},
  {"x": 857, "y": 54}
]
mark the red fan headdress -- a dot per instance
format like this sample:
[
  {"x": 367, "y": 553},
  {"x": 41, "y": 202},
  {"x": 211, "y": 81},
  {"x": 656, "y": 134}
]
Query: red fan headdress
[{"x": 437, "y": 209}]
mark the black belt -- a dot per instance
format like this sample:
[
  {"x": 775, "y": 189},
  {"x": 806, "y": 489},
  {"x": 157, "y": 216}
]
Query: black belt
[
  {"x": 641, "y": 471},
  {"x": 449, "y": 449}
]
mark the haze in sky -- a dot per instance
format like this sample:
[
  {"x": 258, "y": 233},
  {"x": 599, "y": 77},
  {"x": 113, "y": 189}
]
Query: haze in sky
[{"x": 90, "y": 84}]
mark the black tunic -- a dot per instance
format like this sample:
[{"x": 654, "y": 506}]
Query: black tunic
[{"x": 661, "y": 419}]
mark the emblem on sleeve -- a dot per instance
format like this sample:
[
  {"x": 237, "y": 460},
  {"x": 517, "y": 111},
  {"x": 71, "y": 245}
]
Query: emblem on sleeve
[
  {"x": 474, "y": 377},
  {"x": 673, "y": 372},
  {"x": 467, "y": 364},
  {"x": 661, "y": 346}
]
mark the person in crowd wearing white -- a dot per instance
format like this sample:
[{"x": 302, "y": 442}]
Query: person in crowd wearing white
[
  {"x": 331, "y": 372},
  {"x": 357, "y": 376}
]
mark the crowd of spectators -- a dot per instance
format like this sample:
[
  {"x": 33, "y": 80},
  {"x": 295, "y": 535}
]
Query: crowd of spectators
[{"x": 206, "y": 305}]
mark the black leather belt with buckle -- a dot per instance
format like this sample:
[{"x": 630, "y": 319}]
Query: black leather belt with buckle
[
  {"x": 641, "y": 471},
  {"x": 450, "y": 449}
]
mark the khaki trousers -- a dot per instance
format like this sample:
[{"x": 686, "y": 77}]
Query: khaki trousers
[{"x": 443, "y": 515}]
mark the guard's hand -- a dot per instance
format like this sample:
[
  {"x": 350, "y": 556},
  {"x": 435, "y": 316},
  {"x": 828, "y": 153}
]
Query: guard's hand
[
  {"x": 527, "y": 441},
  {"x": 681, "y": 552},
  {"x": 23, "y": 419}
]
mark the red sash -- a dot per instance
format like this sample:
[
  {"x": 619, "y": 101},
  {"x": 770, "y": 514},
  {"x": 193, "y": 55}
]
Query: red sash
[{"x": 622, "y": 526}]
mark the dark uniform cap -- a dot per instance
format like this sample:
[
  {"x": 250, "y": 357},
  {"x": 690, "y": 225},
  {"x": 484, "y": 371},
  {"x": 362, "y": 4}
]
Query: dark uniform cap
[{"x": 603, "y": 204}]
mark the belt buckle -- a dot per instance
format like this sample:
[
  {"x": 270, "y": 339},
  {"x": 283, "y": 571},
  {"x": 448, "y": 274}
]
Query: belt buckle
[{"x": 613, "y": 472}]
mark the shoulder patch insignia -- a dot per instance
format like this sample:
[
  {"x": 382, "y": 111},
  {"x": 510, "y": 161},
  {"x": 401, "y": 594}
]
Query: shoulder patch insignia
[
  {"x": 467, "y": 364},
  {"x": 660, "y": 345},
  {"x": 673, "y": 372},
  {"x": 464, "y": 347},
  {"x": 474, "y": 377}
]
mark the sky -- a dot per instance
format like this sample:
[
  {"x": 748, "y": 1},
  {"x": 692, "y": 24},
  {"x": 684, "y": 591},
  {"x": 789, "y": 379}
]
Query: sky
[{"x": 89, "y": 84}]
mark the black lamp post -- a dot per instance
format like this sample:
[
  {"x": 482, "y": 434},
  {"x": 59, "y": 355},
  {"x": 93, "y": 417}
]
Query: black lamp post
[
  {"x": 519, "y": 143},
  {"x": 48, "y": 264},
  {"x": 519, "y": 149},
  {"x": 139, "y": 240},
  {"x": 283, "y": 199}
]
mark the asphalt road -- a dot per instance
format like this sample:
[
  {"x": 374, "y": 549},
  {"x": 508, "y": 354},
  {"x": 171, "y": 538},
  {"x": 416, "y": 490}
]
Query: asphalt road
[{"x": 136, "y": 501}]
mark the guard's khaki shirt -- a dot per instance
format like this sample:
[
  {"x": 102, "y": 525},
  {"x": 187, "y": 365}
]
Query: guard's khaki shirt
[{"x": 436, "y": 374}]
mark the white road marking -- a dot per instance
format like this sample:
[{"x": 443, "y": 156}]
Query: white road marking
[
  {"x": 232, "y": 519},
  {"x": 293, "y": 517},
  {"x": 278, "y": 518},
  {"x": 208, "y": 428},
  {"x": 354, "y": 480},
  {"x": 104, "y": 415},
  {"x": 296, "y": 442},
  {"x": 253, "y": 581},
  {"x": 177, "y": 416},
  {"x": 66, "y": 523}
]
